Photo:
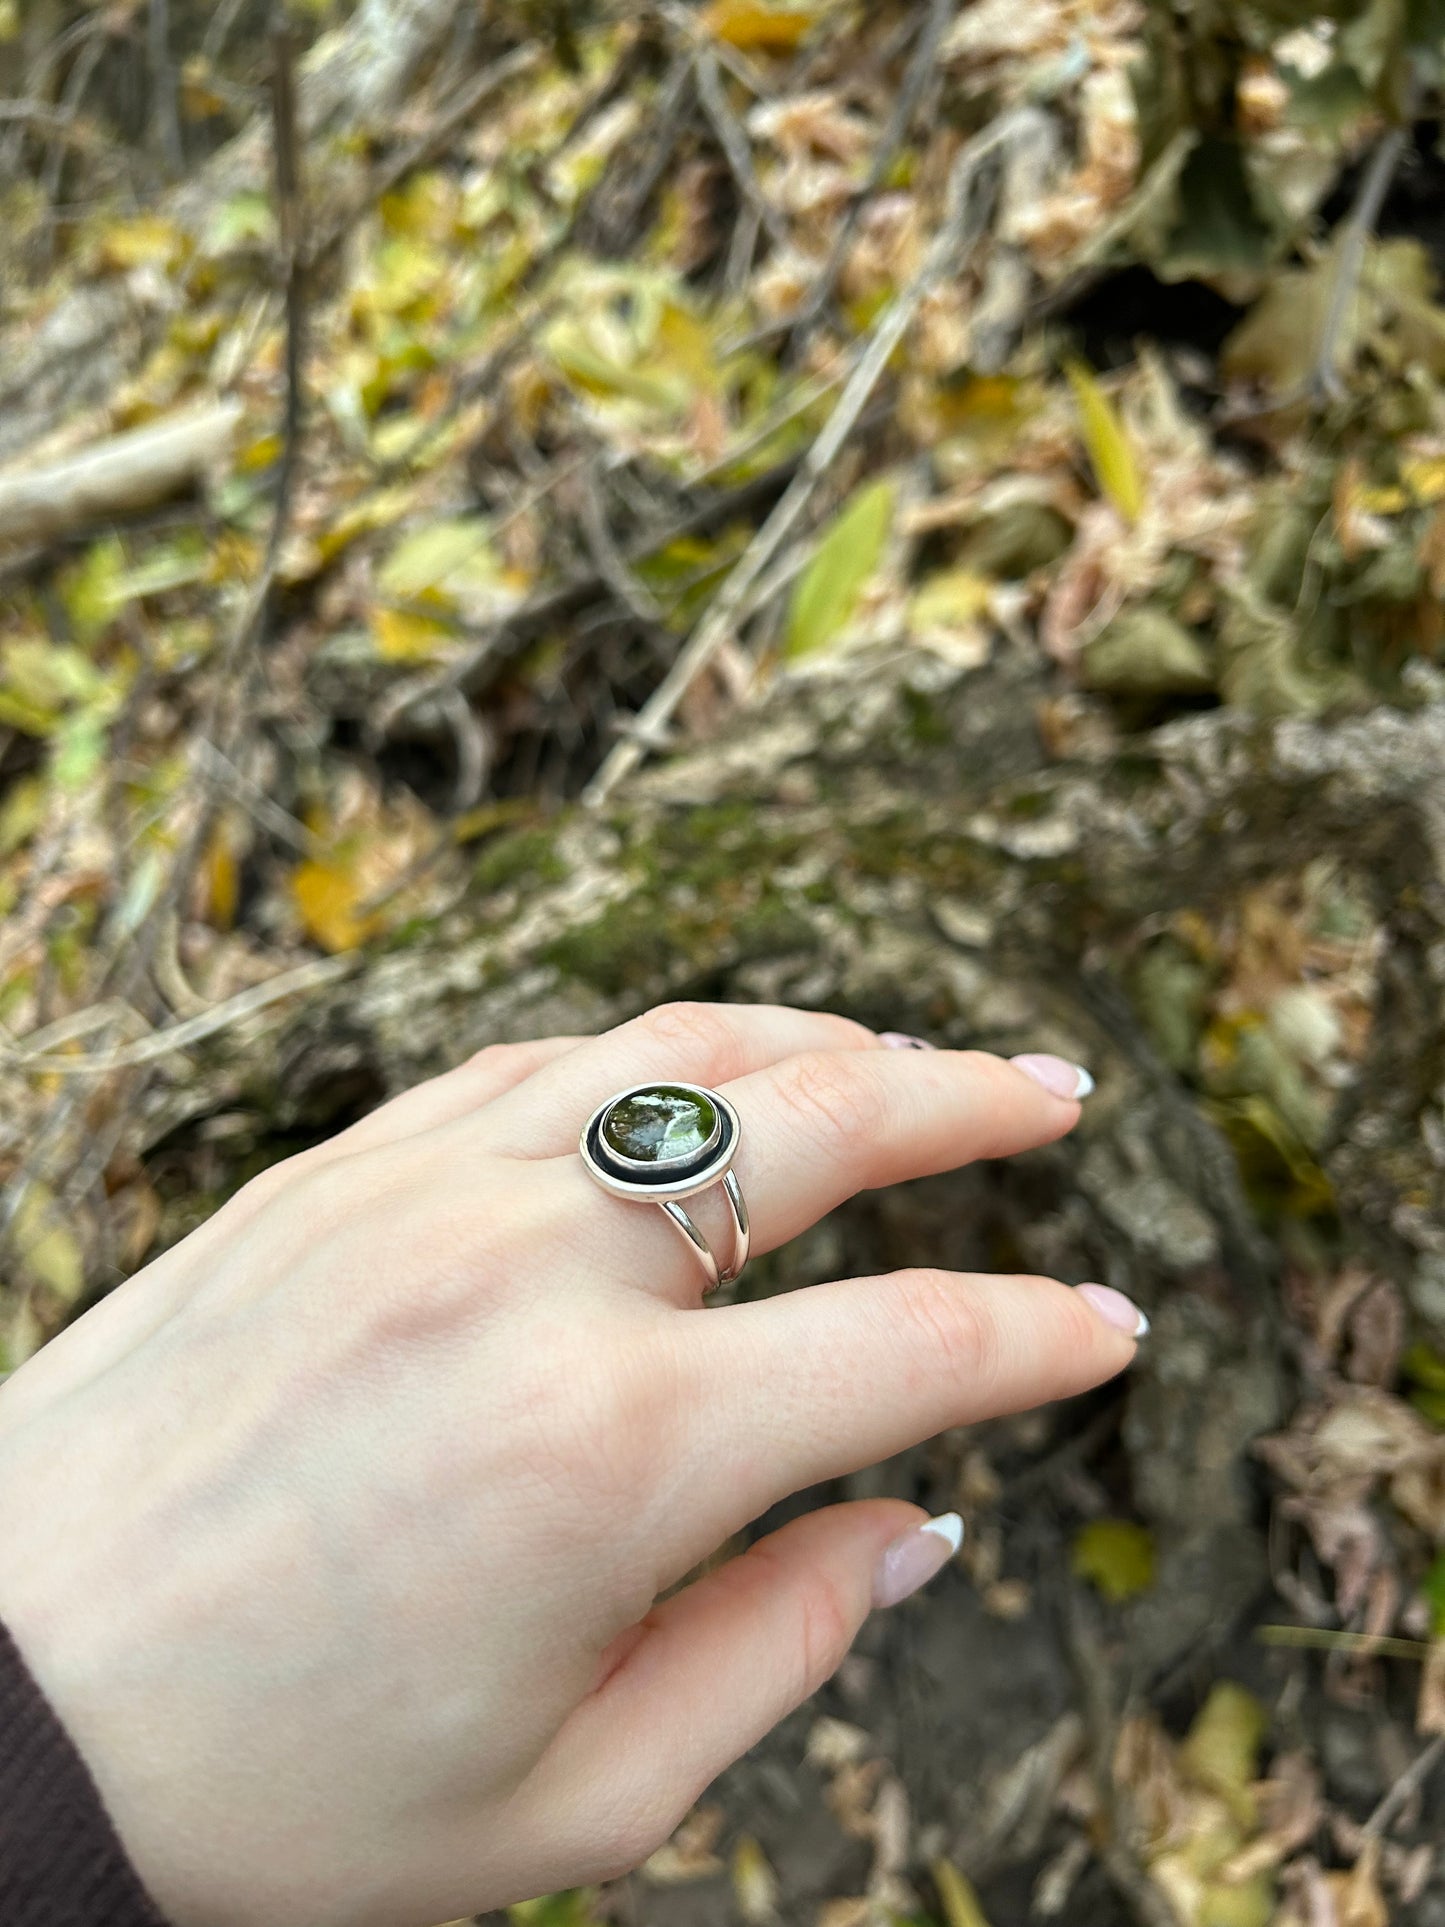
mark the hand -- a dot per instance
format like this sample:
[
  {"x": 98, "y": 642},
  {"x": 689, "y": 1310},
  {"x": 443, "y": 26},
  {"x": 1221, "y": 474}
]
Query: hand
[{"x": 335, "y": 1535}]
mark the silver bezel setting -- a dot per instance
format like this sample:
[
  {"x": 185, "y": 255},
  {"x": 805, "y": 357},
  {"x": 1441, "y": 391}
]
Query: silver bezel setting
[{"x": 630, "y": 1178}]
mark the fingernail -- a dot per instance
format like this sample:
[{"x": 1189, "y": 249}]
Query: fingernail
[
  {"x": 1056, "y": 1074},
  {"x": 900, "y": 1040},
  {"x": 1115, "y": 1309},
  {"x": 913, "y": 1558}
]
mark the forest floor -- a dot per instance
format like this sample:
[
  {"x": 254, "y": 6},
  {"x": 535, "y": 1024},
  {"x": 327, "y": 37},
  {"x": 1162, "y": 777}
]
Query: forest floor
[{"x": 418, "y": 421}]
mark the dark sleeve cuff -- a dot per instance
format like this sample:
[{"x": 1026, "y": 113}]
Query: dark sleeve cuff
[{"x": 61, "y": 1860}]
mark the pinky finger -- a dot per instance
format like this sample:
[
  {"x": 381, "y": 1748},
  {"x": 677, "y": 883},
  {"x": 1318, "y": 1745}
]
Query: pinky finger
[{"x": 716, "y": 1666}]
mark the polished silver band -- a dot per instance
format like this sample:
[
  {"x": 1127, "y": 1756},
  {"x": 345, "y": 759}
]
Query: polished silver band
[{"x": 662, "y": 1142}]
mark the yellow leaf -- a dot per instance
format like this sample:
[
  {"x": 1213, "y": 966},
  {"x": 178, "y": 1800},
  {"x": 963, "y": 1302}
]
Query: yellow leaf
[
  {"x": 147, "y": 240},
  {"x": 755, "y": 1885},
  {"x": 404, "y": 636},
  {"x": 1244, "y": 1903},
  {"x": 829, "y": 589},
  {"x": 1107, "y": 441},
  {"x": 754, "y": 25},
  {"x": 960, "y": 1902},
  {"x": 48, "y": 1250},
  {"x": 1221, "y": 1749},
  {"x": 1115, "y": 1555},
  {"x": 328, "y": 895},
  {"x": 223, "y": 881},
  {"x": 1424, "y": 477}
]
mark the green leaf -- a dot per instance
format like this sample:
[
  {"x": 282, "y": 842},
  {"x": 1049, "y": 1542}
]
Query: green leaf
[
  {"x": 1424, "y": 1366},
  {"x": 1220, "y": 230},
  {"x": 1329, "y": 102},
  {"x": 960, "y": 1902},
  {"x": 442, "y": 558},
  {"x": 1433, "y": 1587},
  {"x": 1144, "y": 651},
  {"x": 848, "y": 555},
  {"x": 48, "y": 1250},
  {"x": 79, "y": 749},
  {"x": 1107, "y": 441},
  {"x": 576, "y": 1908},
  {"x": 1116, "y": 1556}
]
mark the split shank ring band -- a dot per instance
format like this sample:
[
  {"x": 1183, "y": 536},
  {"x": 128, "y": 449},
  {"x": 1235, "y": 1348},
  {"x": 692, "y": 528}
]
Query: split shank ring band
[{"x": 661, "y": 1143}]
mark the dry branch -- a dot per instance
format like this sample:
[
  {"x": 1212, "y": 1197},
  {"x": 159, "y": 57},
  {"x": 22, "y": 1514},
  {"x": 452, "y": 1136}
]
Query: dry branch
[{"x": 118, "y": 476}]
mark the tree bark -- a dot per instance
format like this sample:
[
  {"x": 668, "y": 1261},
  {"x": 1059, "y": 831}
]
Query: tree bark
[{"x": 892, "y": 840}]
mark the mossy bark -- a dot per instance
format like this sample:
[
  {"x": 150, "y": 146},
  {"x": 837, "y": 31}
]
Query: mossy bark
[{"x": 892, "y": 840}]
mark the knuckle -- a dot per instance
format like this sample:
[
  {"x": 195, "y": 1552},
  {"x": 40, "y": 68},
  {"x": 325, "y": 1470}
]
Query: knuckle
[
  {"x": 493, "y": 1061},
  {"x": 822, "y": 1628},
  {"x": 702, "y": 1030},
  {"x": 834, "y": 1097},
  {"x": 825, "y": 1632},
  {"x": 957, "y": 1325}
]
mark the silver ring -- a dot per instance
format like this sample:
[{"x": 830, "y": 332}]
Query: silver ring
[{"x": 661, "y": 1143}]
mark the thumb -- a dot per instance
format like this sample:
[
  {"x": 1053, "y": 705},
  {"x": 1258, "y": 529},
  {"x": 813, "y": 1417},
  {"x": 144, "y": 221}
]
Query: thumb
[{"x": 719, "y": 1664}]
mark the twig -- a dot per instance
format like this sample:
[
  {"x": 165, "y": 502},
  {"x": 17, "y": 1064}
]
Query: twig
[
  {"x": 78, "y": 79},
  {"x": 161, "y": 1043},
  {"x": 1354, "y": 235},
  {"x": 488, "y": 660},
  {"x": 735, "y": 147},
  {"x": 253, "y": 799},
  {"x": 920, "y": 70},
  {"x": 962, "y": 224},
  {"x": 608, "y": 560},
  {"x": 1325, "y": 1639},
  {"x": 1409, "y": 1783},
  {"x": 293, "y": 268},
  {"x": 163, "y": 85},
  {"x": 1130, "y": 1878},
  {"x": 233, "y": 673},
  {"x": 453, "y": 115},
  {"x": 669, "y": 119},
  {"x": 218, "y": 30}
]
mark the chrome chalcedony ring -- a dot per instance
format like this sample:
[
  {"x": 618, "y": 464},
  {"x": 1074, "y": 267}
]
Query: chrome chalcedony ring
[{"x": 661, "y": 1143}]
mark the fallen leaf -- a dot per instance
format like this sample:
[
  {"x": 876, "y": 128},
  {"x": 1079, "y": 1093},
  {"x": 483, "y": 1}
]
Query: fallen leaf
[
  {"x": 847, "y": 557},
  {"x": 1110, "y": 451},
  {"x": 756, "y": 27},
  {"x": 1116, "y": 1556},
  {"x": 960, "y": 1902}
]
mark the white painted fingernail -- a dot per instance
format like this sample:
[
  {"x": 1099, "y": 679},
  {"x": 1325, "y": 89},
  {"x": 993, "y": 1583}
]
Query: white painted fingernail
[
  {"x": 915, "y": 1557},
  {"x": 1116, "y": 1310},
  {"x": 1056, "y": 1074}
]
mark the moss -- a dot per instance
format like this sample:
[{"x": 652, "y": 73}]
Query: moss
[
  {"x": 519, "y": 855},
  {"x": 715, "y": 844},
  {"x": 926, "y": 723}
]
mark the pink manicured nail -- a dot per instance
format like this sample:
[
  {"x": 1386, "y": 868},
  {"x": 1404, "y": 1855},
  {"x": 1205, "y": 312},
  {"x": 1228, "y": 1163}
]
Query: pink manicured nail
[
  {"x": 913, "y": 1559},
  {"x": 1115, "y": 1309},
  {"x": 900, "y": 1040},
  {"x": 1057, "y": 1075}
]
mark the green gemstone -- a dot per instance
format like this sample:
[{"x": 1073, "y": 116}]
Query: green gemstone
[{"x": 660, "y": 1125}]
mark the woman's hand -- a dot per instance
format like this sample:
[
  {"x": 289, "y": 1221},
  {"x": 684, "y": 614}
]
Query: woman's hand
[{"x": 335, "y": 1535}]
